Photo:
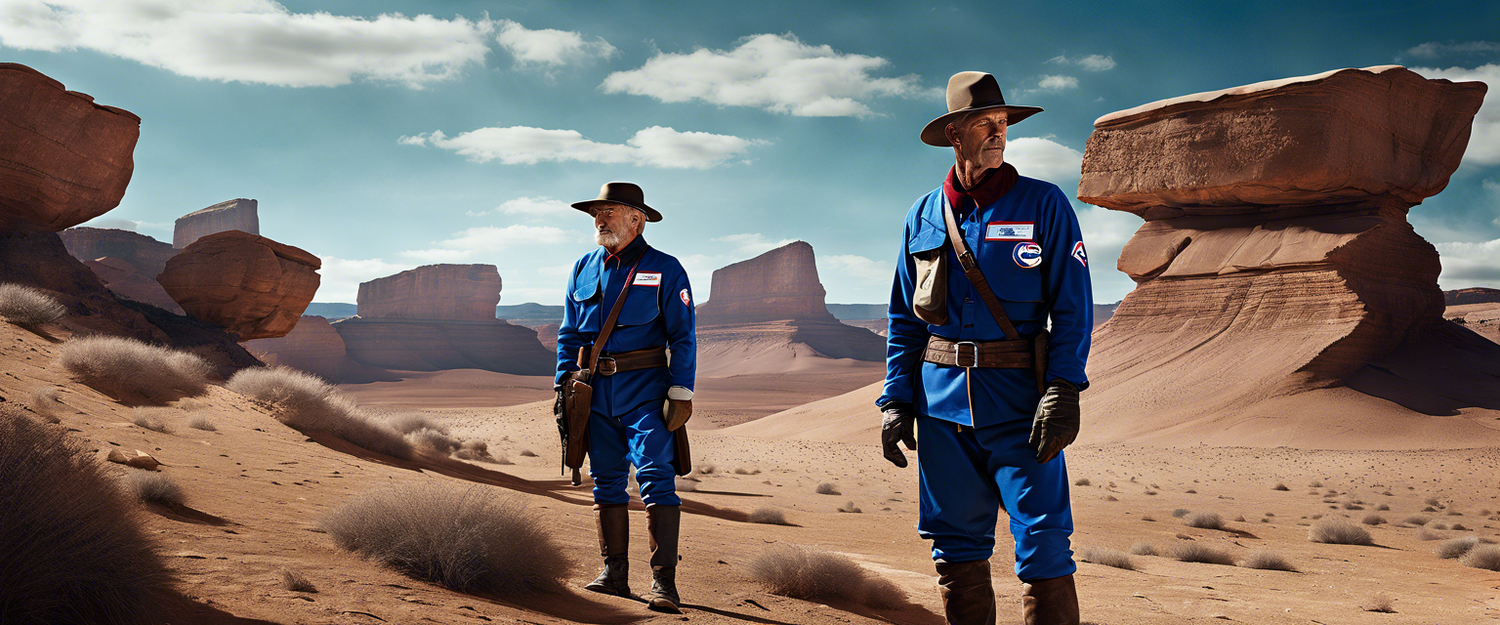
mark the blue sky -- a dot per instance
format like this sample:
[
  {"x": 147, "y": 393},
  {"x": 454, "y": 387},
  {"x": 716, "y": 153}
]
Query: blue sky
[{"x": 382, "y": 135}]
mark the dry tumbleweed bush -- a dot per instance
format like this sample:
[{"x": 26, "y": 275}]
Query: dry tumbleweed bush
[
  {"x": 803, "y": 573},
  {"x": 1339, "y": 532},
  {"x": 129, "y": 369},
  {"x": 29, "y": 307},
  {"x": 304, "y": 401}
]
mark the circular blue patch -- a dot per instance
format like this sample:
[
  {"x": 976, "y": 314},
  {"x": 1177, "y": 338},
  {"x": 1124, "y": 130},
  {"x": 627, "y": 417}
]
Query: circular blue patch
[{"x": 1027, "y": 255}]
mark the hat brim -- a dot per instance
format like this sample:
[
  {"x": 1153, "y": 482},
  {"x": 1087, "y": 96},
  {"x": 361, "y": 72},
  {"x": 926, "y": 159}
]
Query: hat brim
[
  {"x": 588, "y": 205},
  {"x": 933, "y": 134}
]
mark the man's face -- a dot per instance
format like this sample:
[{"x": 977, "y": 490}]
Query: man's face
[
  {"x": 980, "y": 138},
  {"x": 615, "y": 224}
]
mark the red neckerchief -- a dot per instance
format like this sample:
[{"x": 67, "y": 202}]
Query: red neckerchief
[{"x": 996, "y": 184}]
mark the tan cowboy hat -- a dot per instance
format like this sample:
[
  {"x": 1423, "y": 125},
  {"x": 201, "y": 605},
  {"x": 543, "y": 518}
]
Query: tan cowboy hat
[
  {"x": 626, "y": 193},
  {"x": 972, "y": 91}
]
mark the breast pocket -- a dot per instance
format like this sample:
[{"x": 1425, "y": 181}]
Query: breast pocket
[{"x": 642, "y": 304}]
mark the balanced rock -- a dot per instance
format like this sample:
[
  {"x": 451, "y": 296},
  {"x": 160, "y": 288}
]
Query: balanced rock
[
  {"x": 63, "y": 159},
  {"x": 1381, "y": 135},
  {"x": 1276, "y": 257},
  {"x": 312, "y": 346},
  {"x": 779, "y": 284},
  {"x": 126, "y": 261},
  {"x": 237, "y": 214},
  {"x": 252, "y": 286},
  {"x": 452, "y": 292}
]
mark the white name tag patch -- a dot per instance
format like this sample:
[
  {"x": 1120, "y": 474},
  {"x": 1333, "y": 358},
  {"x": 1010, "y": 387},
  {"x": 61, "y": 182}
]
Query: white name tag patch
[
  {"x": 647, "y": 278},
  {"x": 1009, "y": 231}
]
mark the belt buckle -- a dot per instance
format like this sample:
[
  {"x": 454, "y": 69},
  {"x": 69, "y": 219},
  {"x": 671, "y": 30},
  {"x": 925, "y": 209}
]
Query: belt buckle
[
  {"x": 958, "y": 354},
  {"x": 607, "y": 366}
]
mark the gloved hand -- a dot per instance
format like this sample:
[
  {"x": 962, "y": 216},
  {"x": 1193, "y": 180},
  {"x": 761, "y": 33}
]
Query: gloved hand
[
  {"x": 678, "y": 408},
  {"x": 557, "y": 406},
  {"x": 899, "y": 425},
  {"x": 1055, "y": 425}
]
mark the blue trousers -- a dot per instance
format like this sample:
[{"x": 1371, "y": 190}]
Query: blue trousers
[
  {"x": 639, "y": 438},
  {"x": 968, "y": 473}
]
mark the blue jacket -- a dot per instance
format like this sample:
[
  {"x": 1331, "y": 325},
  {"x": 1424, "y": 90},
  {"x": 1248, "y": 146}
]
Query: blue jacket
[
  {"x": 658, "y": 312},
  {"x": 1003, "y": 236}
]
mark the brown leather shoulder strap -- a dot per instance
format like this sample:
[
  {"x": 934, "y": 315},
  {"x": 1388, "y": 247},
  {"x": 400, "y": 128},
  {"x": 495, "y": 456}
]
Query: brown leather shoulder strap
[
  {"x": 975, "y": 275},
  {"x": 609, "y": 322}
]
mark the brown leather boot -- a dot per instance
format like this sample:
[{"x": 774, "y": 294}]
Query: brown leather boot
[
  {"x": 968, "y": 596},
  {"x": 614, "y": 541},
  {"x": 663, "y": 523},
  {"x": 1050, "y": 601}
]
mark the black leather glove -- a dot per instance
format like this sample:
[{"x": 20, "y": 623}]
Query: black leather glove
[
  {"x": 557, "y": 406},
  {"x": 1056, "y": 423},
  {"x": 899, "y": 425}
]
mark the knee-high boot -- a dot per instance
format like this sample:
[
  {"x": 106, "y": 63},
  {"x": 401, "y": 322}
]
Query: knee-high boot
[
  {"x": 1050, "y": 601},
  {"x": 968, "y": 595},
  {"x": 614, "y": 542},
  {"x": 664, "y": 523}
]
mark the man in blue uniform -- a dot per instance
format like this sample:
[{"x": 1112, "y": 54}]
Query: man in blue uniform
[
  {"x": 641, "y": 397},
  {"x": 972, "y": 371}
]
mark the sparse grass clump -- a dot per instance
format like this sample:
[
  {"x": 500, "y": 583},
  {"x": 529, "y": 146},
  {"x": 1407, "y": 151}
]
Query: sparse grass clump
[
  {"x": 1180, "y": 513},
  {"x": 1339, "y": 532},
  {"x": 74, "y": 547},
  {"x": 129, "y": 369},
  {"x": 1189, "y": 551},
  {"x": 1280, "y": 486},
  {"x": 850, "y": 508},
  {"x": 467, "y": 539},
  {"x": 1205, "y": 520},
  {"x": 1142, "y": 548},
  {"x": 1427, "y": 534},
  {"x": 1379, "y": 602},
  {"x": 804, "y": 573},
  {"x": 201, "y": 422},
  {"x": 744, "y": 471},
  {"x": 1415, "y": 520},
  {"x": 435, "y": 440},
  {"x": 304, "y": 401},
  {"x": 1107, "y": 557},
  {"x": 1372, "y": 519},
  {"x": 296, "y": 582},
  {"x": 1082, "y": 481},
  {"x": 45, "y": 402},
  {"x": 527, "y": 453},
  {"x": 29, "y": 307},
  {"x": 768, "y": 516},
  {"x": 149, "y": 419},
  {"x": 1482, "y": 557},
  {"x": 1455, "y": 548},
  {"x": 1267, "y": 559},
  {"x": 827, "y": 488},
  {"x": 157, "y": 488}
]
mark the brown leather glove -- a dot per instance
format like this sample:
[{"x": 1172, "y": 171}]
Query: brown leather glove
[
  {"x": 1055, "y": 425},
  {"x": 899, "y": 426}
]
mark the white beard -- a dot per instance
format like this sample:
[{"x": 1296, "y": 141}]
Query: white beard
[{"x": 610, "y": 239}]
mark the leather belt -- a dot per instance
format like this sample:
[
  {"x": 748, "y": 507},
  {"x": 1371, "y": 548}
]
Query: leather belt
[
  {"x": 1015, "y": 354},
  {"x": 649, "y": 358}
]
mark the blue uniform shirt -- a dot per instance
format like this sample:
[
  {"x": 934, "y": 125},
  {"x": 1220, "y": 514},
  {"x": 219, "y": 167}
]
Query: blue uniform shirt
[
  {"x": 1030, "y": 248},
  {"x": 658, "y": 312}
]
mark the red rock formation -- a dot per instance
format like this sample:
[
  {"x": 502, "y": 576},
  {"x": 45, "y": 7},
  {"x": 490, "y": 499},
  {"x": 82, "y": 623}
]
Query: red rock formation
[
  {"x": 1472, "y": 295},
  {"x": 1276, "y": 257},
  {"x": 777, "y": 285},
  {"x": 237, "y": 214},
  {"x": 312, "y": 346},
  {"x": 451, "y": 292},
  {"x": 63, "y": 159},
  {"x": 252, "y": 286},
  {"x": 438, "y": 344},
  {"x": 126, "y": 261}
]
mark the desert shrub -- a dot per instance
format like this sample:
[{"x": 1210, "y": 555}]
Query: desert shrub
[
  {"x": 29, "y": 307},
  {"x": 827, "y": 488},
  {"x": 74, "y": 547},
  {"x": 805, "y": 573},
  {"x": 1267, "y": 559},
  {"x": 465, "y": 538},
  {"x": 744, "y": 471},
  {"x": 1415, "y": 520},
  {"x": 201, "y": 422},
  {"x": 1482, "y": 557},
  {"x": 44, "y": 402},
  {"x": 1107, "y": 557},
  {"x": 1431, "y": 501},
  {"x": 684, "y": 485},
  {"x": 1459, "y": 527},
  {"x": 1180, "y": 513},
  {"x": 1349, "y": 505},
  {"x": 1205, "y": 520},
  {"x": 408, "y": 422},
  {"x": 1142, "y": 548},
  {"x": 129, "y": 369},
  {"x": 435, "y": 440},
  {"x": 527, "y": 453},
  {"x": 296, "y": 582},
  {"x": 1339, "y": 532},
  {"x": 149, "y": 419},
  {"x": 1379, "y": 602},
  {"x": 1082, "y": 481},
  {"x": 1189, "y": 551},
  {"x": 768, "y": 515},
  {"x": 152, "y": 487},
  {"x": 1426, "y": 534},
  {"x": 1372, "y": 519},
  {"x": 304, "y": 401},
  {"x": 1280, "y": 486},
  {"x": 1438, "y": 526},
  {"x": 1150, "y": 492},
  {"x": 1383, "y": 507},
  {"x": 1315, "y": 484},
  {"x": 850, "y": 508},
  {"x": 1455, "y": 548}
]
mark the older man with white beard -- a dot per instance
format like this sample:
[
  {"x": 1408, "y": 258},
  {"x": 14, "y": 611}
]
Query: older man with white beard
[{"x": 628, "y": 305}]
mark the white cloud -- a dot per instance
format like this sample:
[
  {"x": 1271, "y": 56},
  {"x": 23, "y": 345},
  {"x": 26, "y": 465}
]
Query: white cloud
[
  {"x": 536, "y": 208},
  {"x": 1092, "y": 62},
  {"x": 1484, "y": 143},
  {"x": 341, "y": 277},
  {"x": 549, "y": 47},
  {"x": 252, "y": 41},
  {"x": 1434, "y": 50},
  {"x": 1044, "y": 159},
  {"x": 751, "y": 244},
  {"x": 487, "y": 239},
  {"x": 112, "y": 222},
  {"x": 1470, "y": 264},
  {"x": 1057, "y": 83},
  {"x": 655, "y": 147},
  {"x": 777, "y": 73}
]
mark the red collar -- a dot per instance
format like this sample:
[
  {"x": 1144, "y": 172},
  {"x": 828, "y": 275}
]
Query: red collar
[{"x": 995, "y": 185}]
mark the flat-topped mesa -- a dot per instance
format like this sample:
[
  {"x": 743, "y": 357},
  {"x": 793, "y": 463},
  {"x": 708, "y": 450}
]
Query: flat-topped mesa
[
  {"x": 63, "y": 159},
  {"x": 438, "y": 292},
  {"x": 1349, "y": 138},
  {"x": 237, "y": 214},
  {"x": 777, "y": 285},
  {"x": 128, "y": 262},
  {"x": 312, "y": 346},
  {"x": 253, "y": 287}
]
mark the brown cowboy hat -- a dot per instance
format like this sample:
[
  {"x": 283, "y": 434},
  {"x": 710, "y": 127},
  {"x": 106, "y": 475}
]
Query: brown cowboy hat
[
  {"x": 967, "y": 92},
  {"x": 626, "y": 193}
]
